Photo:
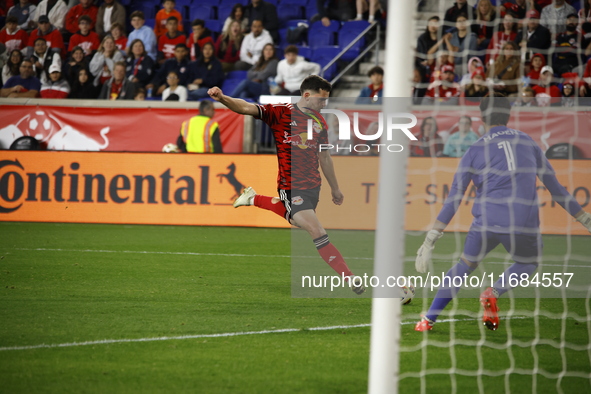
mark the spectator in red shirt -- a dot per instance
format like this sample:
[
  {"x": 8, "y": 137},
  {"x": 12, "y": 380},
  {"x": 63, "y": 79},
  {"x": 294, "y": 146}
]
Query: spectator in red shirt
[
  {"x": 507, "y": 32},
  {"x": 51, "y": 35},
  {"x": 537, "y": 63},
  {"x": 162, "y": 17},
  {"x": 13, "y": 36},
  {"x": 168, "y": 41},
  {"x": 201, "y": 35},
  {"x": 55, "y": 87},
  {"x": 227, "y": 46},
  {"x": 118, "y": 34},
  {"x": 84, "y": 8},
  {"x": 444, "y": 91},
  {"x": 85, "y": 38}
]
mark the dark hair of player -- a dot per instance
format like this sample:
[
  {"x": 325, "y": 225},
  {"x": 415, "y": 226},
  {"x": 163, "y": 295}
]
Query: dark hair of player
[
  {"x": 315, "y": 84},
  {"x": 495, "y": 110}
]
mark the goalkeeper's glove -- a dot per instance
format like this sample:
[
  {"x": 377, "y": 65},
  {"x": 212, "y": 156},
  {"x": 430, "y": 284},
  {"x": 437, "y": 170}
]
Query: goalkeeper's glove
[
  {"x": 423, "y": 260},
  {"x": 585, "y": 220}
]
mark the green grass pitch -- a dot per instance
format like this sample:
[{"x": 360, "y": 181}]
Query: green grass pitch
[{"x": 70, "y": 286}]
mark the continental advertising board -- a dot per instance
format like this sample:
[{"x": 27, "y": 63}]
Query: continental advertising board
[{"x": 186, "y": 189}]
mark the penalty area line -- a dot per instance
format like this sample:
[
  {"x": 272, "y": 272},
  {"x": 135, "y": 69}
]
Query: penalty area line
[{"x": 200, "y": 336}]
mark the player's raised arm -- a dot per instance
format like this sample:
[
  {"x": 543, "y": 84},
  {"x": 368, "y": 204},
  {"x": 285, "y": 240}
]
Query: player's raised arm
[{"x": 237, "y": 105}]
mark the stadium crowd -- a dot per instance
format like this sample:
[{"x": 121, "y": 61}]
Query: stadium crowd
[
  {"x": 166, "y": 50},
  {"x": 538, "y": 49}
]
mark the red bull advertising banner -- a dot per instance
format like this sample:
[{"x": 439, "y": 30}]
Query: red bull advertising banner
[
  {"x": 188, "y": 189},
  {"x": 109, "y": 129}
]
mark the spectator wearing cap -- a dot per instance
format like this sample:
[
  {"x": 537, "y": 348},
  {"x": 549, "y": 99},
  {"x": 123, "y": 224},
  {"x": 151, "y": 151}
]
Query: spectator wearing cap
[
  {"x": 55, "y": 10},
  {"x": 462, "y": 43},
  {"x": 23, "y": 85},
  {"x": 545, "y": 86},
  {"x": 506, "y": 70},
  {"x": 49, "y": 33},
  {"x": 43, "y": 58},
  {"x": 568, "y": 47},
  {"x": 143, "y": 33},
  {"x": 444, "y": 59},
  {"x": 537, "y": 62},
  {"x": 292, "y": 71},
  {"x": 373, "y": 93},
  {"x": 569, "y": 93},
  {"x": 109, "y": 12},
  {"x": 85, "y": 38},
  {"x": 554, "y": 16},
  {"x": 477, "y": 87},
  {"x": 460, "y": 7},
  {"x": 13, "y": 37},
  {"x": 23, "y": 11},
  {"x": 534, "y": 36},
  {"x": 84, "y": 8},
  {"x": 443, "y": 91},
  {"x": 56, "y": 87},
  {"x": 179, "y": 64}
]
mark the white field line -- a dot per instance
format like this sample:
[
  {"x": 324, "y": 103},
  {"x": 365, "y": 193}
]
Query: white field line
[
  {"x": 221, "y": 335},
  {"x": 239, "y": 255}
]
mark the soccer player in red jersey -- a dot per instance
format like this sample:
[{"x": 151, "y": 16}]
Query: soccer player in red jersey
[{"x": 298, "y": 184}]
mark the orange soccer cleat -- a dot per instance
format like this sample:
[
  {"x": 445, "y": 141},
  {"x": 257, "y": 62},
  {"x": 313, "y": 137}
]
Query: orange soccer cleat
[{"x": 490, "y": 318}]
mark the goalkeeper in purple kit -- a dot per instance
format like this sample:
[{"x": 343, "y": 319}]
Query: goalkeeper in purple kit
[{"x": 503, "y": 165}]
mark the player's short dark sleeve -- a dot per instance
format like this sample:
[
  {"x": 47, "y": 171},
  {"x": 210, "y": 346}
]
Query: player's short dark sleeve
[
  {"x": 217, "y": 141},
  {"x": 269, "y": 113}
]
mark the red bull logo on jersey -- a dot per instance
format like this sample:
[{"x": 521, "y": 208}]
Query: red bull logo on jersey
[{"x": 302, "y": 141}]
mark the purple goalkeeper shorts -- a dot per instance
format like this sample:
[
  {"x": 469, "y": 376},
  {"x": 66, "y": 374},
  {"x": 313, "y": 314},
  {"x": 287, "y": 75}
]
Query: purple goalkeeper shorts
[{"x": 523, "y": 248}]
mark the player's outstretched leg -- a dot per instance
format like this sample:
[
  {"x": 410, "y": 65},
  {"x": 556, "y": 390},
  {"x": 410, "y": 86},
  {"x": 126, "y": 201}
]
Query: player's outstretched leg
[
  {"x": 444, "y": 295},
  {"x": 250, "y": 197}
]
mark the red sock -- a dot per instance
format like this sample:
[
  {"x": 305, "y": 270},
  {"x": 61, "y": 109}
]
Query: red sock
[
  {"x": 266, "y": 203},
  {"x": 332, "y": 256}
]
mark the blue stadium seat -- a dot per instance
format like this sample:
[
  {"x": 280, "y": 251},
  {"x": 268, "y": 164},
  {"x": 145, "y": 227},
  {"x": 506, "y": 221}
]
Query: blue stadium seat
[
  {"x": 202, "y": 11},
  {"x": 321, "y": 36},
  {"x": 214, "y": 25},
  {"x": 345, "y": 38},
  {"x": 355, "y": 25},
  {"x": 224, "y": 11},
  {"x": 241, "y": 75},
  {"x": 294, "y": 22},
  {"x": 148, "y": 9},
  {"x": 150, "y": 22},
  {"x": 305, "y": 52},
  {"x": 214, "y": 3},
  {"x": 310, "y": 10},
  {"x": 232, "y": 2},
  {"x": 286, "y": 12},
  {"x": 185, "y": 3},
  {"x": 230, "y": 84},
  {"x": 334, "y": 25},
  {"x": 323, "y": 55}
]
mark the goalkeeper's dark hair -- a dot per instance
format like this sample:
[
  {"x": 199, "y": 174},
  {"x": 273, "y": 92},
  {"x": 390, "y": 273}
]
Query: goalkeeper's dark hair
[
  {"x": 495, "y": 109},
  {"x": 315, "y": 84}
]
